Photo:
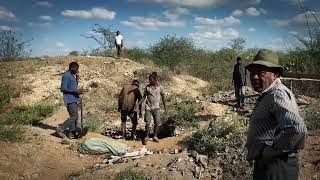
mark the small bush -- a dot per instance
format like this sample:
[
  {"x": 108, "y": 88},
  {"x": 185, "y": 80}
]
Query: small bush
[
  {"x": 137, "y": 54},
  {"x": 93, "y": 124},
  {"x": 204, "y": 143},
  {"x": 11, "y": 133},
  {"x": 172, "y": 50},
  {"x": 225, "y": 130},
  {"x": 164, "y": 75},
  {"x": 312, "y": 118},
  {"x": 182, "y": 111},
  {"x": 29, "y": 114},
  {"x": 4, "y": 98},
  {"x": 131, "y": 175},
  {"x": 74, "y": 175}
]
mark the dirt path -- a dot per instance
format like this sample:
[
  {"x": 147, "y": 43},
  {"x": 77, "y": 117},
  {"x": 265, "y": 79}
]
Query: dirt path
[
  {"x": 42, "y": 156},
  {"x": 310, "y": 158}
]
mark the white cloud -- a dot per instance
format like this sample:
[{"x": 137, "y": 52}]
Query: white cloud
[
  {"x": 252, "y": 11},
  {"x": 278, "y": 23},
  {"x": 94, "y": 13},
  {"x": 307, "y": 38},
  {"x": 263, "y": 11},
  {"x": 215, "y": 34},
  {"x": 296, "y": 21},
  {"x": 252, "y": 29},
  {"x": 295, "y": 33},
  {"x": 6, "y": 15},
  {"x": 39, "y": 25},
  {"x": 139, "y": 22},
  {"x": 45, "y": 18},
  {"x": 199, "y": 3},
  {"x": 214, "y": 38},
  {"x": 237, "y": 12},
  {"x": 8, "y": 28},
  {"x": 200, "y": 22},
  {"x": 60, "y": 44},
  {"x": 175, "y": 13},
  {"x": 44, "y": 4}
]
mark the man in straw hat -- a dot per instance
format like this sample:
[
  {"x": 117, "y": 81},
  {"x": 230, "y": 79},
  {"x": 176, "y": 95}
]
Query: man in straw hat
[{"x": 277, "y": 130}]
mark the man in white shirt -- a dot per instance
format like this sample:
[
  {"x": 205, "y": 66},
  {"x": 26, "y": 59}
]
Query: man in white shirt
[{"x": 119, "y": 43}]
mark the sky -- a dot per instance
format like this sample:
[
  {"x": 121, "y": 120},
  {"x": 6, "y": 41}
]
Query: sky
[{"x": 54, "y": 27}]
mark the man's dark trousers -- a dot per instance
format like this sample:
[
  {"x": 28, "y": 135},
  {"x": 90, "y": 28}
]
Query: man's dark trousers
[
  {"x": 240, "y": 94},
  {"x": 71, "y": 123},
  {"x": 277, "y": 170}
]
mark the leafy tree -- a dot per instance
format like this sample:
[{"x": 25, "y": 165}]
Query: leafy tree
[
  {"x": 172, "y": 50},
  {"x": 74, "y": 53},
  {"x": 12, "y": 47}
]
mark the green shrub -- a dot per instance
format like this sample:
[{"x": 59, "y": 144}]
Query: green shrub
[
  {"x": 227, "y": 124},
  {"x": 222, "y": 131},
  {"x": 4, "y": 98},
  {"x": 183, "y": 111},
  {"x": 11, "y": 133},
  {"x": 172, "y": 50},
  {"x": 137, "y": 54},
  {"x": 312, "y": 118},
  {"x": 131, "y": 175},
  {"x": 74, "y": 175},
  {"x": 204, "y": 143},
  {"x": 164, "y": 75},
  {"x": 93, "y": 124},
  {"x": 29, "y": 114}
]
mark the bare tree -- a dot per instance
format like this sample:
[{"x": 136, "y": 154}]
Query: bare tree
[
  {"x": 237, "y": 44},
  {"x": 103, "y": 36},
  {"x": 12, "y": 47}
]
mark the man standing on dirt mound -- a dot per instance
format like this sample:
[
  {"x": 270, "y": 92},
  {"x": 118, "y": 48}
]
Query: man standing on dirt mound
[
  {"x": 129, "y": 96},
  {"x": 239, "y": 82},
  {"x": 153, "y": 94},
  {"x": 71, "y": 95},
  {"x": 277, "y": 130},
  {"x": 118, "y": 43}
]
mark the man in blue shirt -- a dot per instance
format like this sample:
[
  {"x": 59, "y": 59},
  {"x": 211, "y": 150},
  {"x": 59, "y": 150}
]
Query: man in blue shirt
[{"x": 69, "y": 88}]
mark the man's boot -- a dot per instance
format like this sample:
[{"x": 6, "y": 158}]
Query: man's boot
[
  {"x": 155, "y": 133},
  {"x": 146, "y": 139},
  {"x": 123, "y": 129},
  {"x": 133, "y": 132}
]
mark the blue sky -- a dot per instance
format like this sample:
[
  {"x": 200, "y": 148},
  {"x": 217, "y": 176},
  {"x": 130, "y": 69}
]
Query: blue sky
[{"x": 55, "y": 25}]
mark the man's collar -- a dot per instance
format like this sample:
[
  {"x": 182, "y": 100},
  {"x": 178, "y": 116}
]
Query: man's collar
[{"x": 272, "y": 85}]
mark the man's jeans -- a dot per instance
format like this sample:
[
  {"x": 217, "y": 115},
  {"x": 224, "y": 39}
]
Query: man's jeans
[
  {"x": 240, "y": 94},
  {"x": 71, "y": 123}
]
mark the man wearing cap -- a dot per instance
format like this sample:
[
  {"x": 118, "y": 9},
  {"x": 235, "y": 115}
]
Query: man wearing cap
[
  {"x": 276, "y": 130},
  {"x": 239, "y": 82},
  {"x": 118, "y": 42}
]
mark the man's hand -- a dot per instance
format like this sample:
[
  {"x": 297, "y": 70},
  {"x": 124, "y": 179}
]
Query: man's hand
[{"x": 79, "y": 91}]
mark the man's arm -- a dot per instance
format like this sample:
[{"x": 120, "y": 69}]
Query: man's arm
[
  {"x": 64, "y": 87},
  {"x": 163, "y": 98},
  {"x": 142, "y": 99},
  {"x": 291, "y": 132},
  {"x": 120, "y": 99},
  {"x": 138, "y": 97}
]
